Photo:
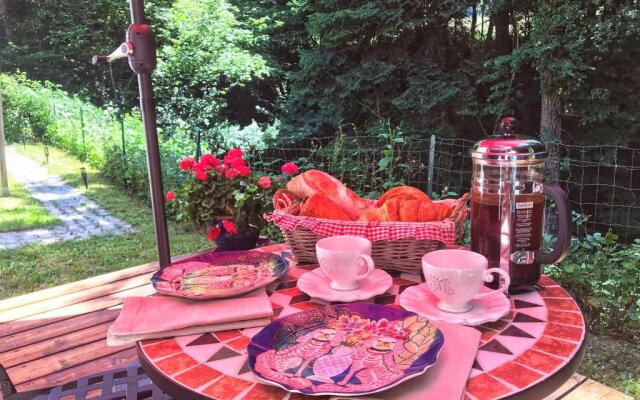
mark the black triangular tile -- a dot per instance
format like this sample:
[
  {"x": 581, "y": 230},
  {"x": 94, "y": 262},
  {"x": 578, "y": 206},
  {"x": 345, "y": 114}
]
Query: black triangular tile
[
  {"x": 394, "y": 273},
  {"x": 520, "y": 317},
  {"x": 301, "y": 298},
  {"x": 245, "y": 368},
  {"x": 207, "y": 338},
  {"x": 524, "y": 304},
  {"x": 515, "y": 331},
  {"x": 277, "y": 311},
  {"x": 476, "y": 365},
  {"x": 385, "y": 299},
  {"x": 495, "y": 347},
  {"x": 223, "y": 353},
  {"x": 286, "y": 285}
]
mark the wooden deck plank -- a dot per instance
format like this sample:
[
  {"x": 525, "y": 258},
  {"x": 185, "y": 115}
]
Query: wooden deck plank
[
  {"x": 570, "y": 385},
  {"x": 64, "y": 360},
  {"x": 61, "y": 328},
  {"x": 49, "y": 317},
  {"x": 74, "y": 298},
  {"x": 51, "y": 293},
  {"x": 117, "y": 360},
  {"x": 45, "y": 348},
  {"x": 592, "y": 390}
]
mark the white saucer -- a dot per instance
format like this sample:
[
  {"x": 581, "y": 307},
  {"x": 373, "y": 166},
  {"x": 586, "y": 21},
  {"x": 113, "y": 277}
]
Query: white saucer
[
  {"x": 420, "y": 300},
  {"x": 316, "y": 284}
]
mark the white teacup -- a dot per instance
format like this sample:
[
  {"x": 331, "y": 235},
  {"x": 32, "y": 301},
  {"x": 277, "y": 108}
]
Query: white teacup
[
  {"x": 456, "y": 277},
  {"x": 346, "y": 260}
]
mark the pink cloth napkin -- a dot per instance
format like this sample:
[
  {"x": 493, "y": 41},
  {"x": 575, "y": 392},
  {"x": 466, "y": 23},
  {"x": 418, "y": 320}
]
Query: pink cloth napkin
[
  {"x": 447, "y": 379},
  {"x": 164, "y": 316}
]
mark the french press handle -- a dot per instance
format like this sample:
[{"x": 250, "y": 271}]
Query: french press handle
[{"x": 561, "y": 246}]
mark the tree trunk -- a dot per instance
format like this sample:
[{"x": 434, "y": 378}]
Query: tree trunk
[
  {"x": 4, "y": 20},
  {"x": 490, "y": 30},
  {"x": 503, "y": 38},
  {"x": 550, "y": 124},
  {"x": 474, "y": 21}
]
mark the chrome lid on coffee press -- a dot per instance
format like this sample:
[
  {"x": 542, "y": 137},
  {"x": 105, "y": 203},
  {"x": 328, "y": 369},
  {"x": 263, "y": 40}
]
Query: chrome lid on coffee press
[{"x": 509, "y": 146}]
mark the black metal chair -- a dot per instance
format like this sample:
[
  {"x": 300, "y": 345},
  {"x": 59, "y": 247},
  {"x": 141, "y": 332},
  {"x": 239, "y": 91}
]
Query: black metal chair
[{"x": 129, "y": 383}]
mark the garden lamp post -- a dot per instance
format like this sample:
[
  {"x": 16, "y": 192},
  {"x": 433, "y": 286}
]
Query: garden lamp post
[{"x": 140, "y": 49}]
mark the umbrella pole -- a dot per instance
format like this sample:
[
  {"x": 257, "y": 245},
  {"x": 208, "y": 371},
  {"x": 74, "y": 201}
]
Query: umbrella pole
[{"x": 143, "y": 62}]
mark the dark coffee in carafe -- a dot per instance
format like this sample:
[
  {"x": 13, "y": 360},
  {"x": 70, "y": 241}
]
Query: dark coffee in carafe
[{"x": 526, "y": 222}]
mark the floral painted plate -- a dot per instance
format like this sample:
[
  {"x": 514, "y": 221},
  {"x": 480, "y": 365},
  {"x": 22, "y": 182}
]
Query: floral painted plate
[
  {"x": 347, "y": 349},
  {"x": 219, "y": 275}
]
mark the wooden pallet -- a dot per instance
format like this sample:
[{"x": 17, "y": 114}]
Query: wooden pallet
[{"x": 58, "y": 335}]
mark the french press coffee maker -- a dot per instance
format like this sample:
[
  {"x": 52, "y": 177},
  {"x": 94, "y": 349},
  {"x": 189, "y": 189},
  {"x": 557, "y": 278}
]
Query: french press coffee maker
[{"x": 508, "y": 201}]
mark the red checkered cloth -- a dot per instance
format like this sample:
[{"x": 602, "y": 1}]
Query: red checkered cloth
[{"x": 443, "y": 231}]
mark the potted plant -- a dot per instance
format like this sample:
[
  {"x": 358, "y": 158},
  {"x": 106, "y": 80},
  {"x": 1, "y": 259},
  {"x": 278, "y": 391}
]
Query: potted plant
[{"x": 226, "y": 198}]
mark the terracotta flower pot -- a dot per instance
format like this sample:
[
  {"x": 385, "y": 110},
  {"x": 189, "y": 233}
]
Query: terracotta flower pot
[{"x": 243, "y": 240}]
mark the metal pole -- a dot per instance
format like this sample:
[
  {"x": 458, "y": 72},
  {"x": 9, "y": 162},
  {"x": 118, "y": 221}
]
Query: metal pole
[
  {"x": 432, "y": 156},
  {"x": 84, "y": 144},
  {"x": 4, "y": 182},
  {"x": 147, "y": 107}
]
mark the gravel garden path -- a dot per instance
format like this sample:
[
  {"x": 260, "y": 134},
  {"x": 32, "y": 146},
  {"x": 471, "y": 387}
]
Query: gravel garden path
[{"x": 81, "y": 217}]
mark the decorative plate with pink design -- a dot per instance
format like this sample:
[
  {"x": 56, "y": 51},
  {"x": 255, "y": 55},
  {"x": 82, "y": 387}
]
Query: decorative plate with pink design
[
  {"x": 349, "y": 349},
  {"x": 220, "y": 275}
]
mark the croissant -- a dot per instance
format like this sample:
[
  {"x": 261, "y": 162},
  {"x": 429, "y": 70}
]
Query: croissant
[
  {"x": 313, "y": 181},
  {"x": 320, "y": 205},
  {"x": 407, "y": 192},
  {"x": 399, "y": 209},
  {"x": 285, "y": 200}
]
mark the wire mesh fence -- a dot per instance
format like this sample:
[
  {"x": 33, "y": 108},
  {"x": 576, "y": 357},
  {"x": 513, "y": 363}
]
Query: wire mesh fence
[{"x": 603, "y": 182}]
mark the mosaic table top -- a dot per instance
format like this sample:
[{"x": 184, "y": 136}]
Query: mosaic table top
[{"x": 541, "y": 334}]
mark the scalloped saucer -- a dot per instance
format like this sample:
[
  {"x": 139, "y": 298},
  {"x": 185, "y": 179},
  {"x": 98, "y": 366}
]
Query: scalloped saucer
[
  {"x": 420, "y": 300},
  {"x": 316, "y": 284}
]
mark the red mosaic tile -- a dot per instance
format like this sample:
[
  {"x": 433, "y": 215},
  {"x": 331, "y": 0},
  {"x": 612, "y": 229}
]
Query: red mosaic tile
[
  {"x": 554, "y": 291},
  {"x": 299, "y": 396},
  {"x": 487, "y": 335},
  {"x": 516, "y": 374},
  {"x": 546, "y": 281},
  {"x": 240, "y": 343},
  {"x": 555, "y": 346},
  {"x": 226, "y": 335},
  {"x": 565, "y": 317},
  {"x": 563, "y": 332},
  {"x": 539, "y": 361},
  {"x": 198, "y": 376},
  {"x": 561, "y": 304},
  {"x": 176, "y": 363},
  {"x": 466, "y": 397},
  {"x": 485, "y": 387},
  {"x": 226, "y": 388},
  {"x": 307, "y": 305},
  {"x": 265, "y": 392},
  {"x": 147, "y": 342},
  {"x": 294, "y": 291},
  {"x": 161, "y": 349}
]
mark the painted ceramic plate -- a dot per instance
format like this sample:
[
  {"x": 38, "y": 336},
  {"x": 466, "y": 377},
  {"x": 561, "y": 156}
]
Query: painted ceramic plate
[
  {"x": 219, "y": 275},
  {"x": 347, "y": 349},
  {"x": 420, "y": 300}
]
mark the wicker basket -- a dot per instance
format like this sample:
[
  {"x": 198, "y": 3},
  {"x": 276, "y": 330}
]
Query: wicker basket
[{"x": 404, "y": 254}]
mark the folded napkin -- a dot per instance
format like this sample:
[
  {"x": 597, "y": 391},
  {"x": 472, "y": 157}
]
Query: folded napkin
[
  {"x": 447, "y": 379},
  {"x": 164, "y": 316}
]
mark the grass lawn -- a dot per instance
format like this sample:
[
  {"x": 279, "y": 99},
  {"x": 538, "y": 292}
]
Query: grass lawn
[
  {"x": 20, "y": 211},
  {"x": 38, "y": 266}
]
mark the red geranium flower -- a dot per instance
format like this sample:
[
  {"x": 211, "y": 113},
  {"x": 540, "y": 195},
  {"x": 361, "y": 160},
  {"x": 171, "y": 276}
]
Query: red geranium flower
[
  {"x": 229, "y": 226},
  {"x": 213, "y": 233},
  {"x": 170, "y": 196},
  {"x": 243, "y": 170},
  {"x": 231, "y": 173},
  {"x": 235, "y": 153},
  {"x": 290, "y": 168},
  {"x": 187, "y": 164},
  {"x": 237, "y": 163},
  {"x": 265, "y": 182},
  {"x": 201, "y": 175},
  {"x": 209, "y": 160}
]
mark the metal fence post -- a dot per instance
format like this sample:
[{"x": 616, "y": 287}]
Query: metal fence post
[
  {"x": 84, "y": 145},
  {"x": 4, "y": 182},
  {"x": 432, "y": 156}
]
